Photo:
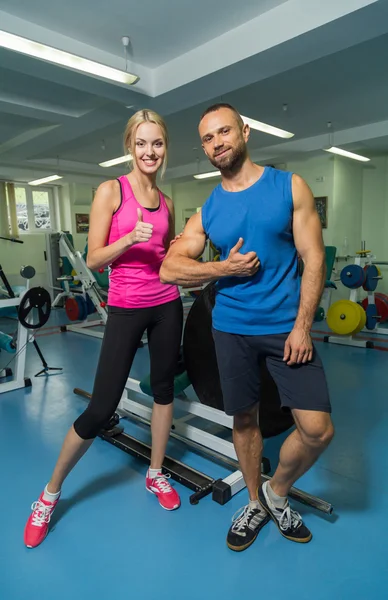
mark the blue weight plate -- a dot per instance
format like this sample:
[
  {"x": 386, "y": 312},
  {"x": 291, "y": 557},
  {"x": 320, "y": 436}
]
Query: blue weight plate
[
  {"x": 371, "y": 275},
  {"x": 371, "y": 314},
  {"x": 352, "y": 276},
  {"x": 83, "y": 312}
]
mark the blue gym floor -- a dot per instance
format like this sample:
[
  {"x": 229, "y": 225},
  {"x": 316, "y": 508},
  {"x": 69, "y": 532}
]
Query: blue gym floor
[{"x": 110, "y": 538}]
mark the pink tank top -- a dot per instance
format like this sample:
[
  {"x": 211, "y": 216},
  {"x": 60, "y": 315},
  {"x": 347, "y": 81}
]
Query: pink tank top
[{"x": 134, "y": 276}]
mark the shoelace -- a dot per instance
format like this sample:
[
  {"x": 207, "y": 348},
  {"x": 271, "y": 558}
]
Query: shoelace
[
  {"x": 290, "y": 519},
  {"x": 162, "y": 484},
  {"x": 41, "y": 513},
  {"x": 241, "y": 517}
]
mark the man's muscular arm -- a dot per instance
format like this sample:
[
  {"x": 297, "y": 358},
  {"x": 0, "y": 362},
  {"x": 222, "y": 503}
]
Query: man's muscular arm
[
  {"x": 182, "y": 267},
  {"x": 307, "y": 232}
]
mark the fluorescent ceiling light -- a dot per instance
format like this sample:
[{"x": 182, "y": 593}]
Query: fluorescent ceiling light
[
  {"x": 341, "y": 152},
  {"x": 45, "y": 180},
  {"x": 64, "y": 59},
  {"x": 116, "y": 161},
  {"x": 207, "y": 175},
  {"x": 253, "y": 124}
]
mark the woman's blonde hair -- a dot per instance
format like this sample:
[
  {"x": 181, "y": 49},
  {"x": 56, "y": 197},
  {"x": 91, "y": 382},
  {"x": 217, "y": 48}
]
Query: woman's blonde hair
[{"x": 145, "y": 116}]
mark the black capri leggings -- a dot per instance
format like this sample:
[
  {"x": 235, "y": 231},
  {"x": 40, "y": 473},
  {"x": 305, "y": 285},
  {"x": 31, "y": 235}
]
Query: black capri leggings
[{"x": 123, "y": 332}]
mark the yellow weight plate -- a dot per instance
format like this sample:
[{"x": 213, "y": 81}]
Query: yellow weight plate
[
  {"x": 362, "y": 319},
  {"x": 345, "y": 318}
]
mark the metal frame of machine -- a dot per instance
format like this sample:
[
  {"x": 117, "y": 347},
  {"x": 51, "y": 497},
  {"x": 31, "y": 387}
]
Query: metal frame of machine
[
  {"x": 23, "y": 337},
  {"x": 58, "y": 245}
]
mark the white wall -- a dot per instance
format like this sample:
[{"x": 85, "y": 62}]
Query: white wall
[
  {"x": 374, "y": 222},
  {"x": 319, "y": 174},
  {"x": 347, "y": 205},
  {"x": 191, "y": 194}
]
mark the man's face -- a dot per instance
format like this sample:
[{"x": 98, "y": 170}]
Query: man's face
[{"x": 223, "y": 139}]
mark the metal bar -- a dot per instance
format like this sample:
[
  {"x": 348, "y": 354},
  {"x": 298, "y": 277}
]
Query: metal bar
[
  {"x": 308, "y": 499},
  {"x": 194, "y": 408}
]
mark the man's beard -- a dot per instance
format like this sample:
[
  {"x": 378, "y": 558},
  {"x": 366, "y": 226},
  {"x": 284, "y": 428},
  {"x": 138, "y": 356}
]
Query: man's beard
[{"x": 231, "y": 161}]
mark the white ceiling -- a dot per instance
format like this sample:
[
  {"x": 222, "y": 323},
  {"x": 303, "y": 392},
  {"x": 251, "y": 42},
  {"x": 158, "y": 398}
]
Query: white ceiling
[
  {"x": 330, "y": 65},
  {"x": 160, "y": 30}
]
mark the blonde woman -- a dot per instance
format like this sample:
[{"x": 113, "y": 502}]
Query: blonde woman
[{"x": 131, "y": 226}]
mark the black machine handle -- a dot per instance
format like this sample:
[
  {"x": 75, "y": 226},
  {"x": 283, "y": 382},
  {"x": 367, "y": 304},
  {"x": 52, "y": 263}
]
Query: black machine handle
[
  {"x": 6, "y": 283},
  {"x": 7, "y": 239}
]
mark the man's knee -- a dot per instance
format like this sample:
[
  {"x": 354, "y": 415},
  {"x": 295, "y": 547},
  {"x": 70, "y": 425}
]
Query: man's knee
[
  {"x": 318, "y": 434},
  {"x": 246, "y": 419}
]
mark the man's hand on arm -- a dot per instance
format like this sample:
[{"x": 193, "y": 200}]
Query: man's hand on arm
[
  {"x": 307, "y": 231},
  {"x": 181, "y": 266}
]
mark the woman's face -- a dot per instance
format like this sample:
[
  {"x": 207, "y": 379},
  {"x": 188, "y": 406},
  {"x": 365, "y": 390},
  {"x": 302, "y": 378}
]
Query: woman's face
[{"x": 150, "y": 148}]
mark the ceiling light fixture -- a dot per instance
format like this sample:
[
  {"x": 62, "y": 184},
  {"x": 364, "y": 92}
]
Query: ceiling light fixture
[
  {"x": 335, "y": 150},
  {"x": 64, "y": 59},
  {"x": 207, "y": 175},
  {"x": 45, "y": 180},
  {"x": 265, "y": 128},
  {"x": 116, "y": 161}
]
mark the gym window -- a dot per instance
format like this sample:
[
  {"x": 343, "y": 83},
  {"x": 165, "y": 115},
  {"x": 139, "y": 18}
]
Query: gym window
[{"x": 30, "y": 209}]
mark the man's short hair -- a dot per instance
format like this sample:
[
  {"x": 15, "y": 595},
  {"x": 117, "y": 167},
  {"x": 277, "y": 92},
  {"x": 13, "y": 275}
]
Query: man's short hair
[{"x": 215, "y": 107}]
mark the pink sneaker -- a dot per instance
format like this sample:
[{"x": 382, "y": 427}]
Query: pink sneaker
[
  {"x": 38, "y": 522},
  {"x": 167, "y": 496}
]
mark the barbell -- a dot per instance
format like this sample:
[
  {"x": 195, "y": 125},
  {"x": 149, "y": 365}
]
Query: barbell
[{"x": 201, "y": 364}]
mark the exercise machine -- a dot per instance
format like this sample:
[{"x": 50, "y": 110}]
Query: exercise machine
[
  {"x": 31, "y": 310},
  {"x": 347, "y": 318},
  {"x": 202, "y": 426},
  {"x": 81, "y": 300}
]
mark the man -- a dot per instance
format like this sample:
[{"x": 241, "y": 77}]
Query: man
[{"x": 260, "y": 218}]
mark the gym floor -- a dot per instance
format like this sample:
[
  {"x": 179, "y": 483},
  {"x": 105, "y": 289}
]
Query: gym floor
[{"x": 109, "y": 537}]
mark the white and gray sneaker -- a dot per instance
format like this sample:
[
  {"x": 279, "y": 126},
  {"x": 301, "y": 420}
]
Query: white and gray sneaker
[
  {"x": 246, "y": 525},
  {"x": 288, "y": 521}
]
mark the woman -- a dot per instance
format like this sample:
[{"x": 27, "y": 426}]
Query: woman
[{"x": 131, "y": 226}]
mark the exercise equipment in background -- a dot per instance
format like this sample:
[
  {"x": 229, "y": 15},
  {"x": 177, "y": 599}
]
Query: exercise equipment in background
[
  {"x": 202, "y": 426},
  {"x": 67, "y": 265},
  {"x": 31, "y": 312},
  {"x": 347, "y": 318}
]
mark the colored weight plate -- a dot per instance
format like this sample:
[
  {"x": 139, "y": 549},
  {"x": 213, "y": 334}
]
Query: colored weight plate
[
  {"x": 381, "y": 302},
  {"x": 320, "y": 314},
  {"x": 352, "y": 276},
  {"x": 382, "y": 306},
  {"x": 362, "y": 319},
  {"x": 371, "y": 278},
  {"x": 202, "y": 368},
  {"x": 83, "y": 311},
  {"x": 371, "y": 317},
  {"x": 345, "y": 317},
  {"x": 72, "y": 308},
  {"x": 90, "y": 306}
]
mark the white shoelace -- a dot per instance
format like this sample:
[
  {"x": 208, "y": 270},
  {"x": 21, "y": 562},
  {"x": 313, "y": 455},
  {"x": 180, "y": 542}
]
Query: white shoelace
[
  {"x": 241, "y": 518},
  {"x": 162, "y": 484},
  {"x": 289, "y": 518},
  {"x": 42, "y": 513}
]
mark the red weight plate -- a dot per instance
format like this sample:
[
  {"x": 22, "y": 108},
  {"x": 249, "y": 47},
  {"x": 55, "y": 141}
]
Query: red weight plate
[{"x": 72, "y": 308}]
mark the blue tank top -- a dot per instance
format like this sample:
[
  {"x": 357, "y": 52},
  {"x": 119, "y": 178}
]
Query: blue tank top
[{"x": 262, "y": 214}]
